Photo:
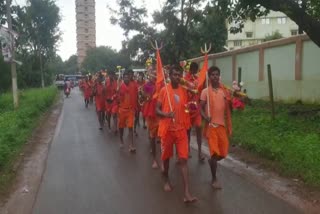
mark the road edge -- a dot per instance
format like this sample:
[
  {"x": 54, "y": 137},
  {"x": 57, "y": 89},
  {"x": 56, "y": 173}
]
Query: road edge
[
  {"x": 31, "y": 168},
  {"x": 268, "y": 180}
]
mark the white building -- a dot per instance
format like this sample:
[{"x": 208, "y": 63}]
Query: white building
[
  {"x": 86, "y": 27},
  {"x": 255, "y": 32}
]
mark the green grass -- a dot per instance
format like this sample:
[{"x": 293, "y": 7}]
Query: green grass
[
  {"x": 17, "y": 126},
  {"x": 292, "y": 141}
]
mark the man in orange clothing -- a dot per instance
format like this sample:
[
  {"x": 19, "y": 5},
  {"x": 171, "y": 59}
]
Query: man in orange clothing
[
  {"x": 173, "y": 125},
  {"x": 149, "y": 112},
  {"x": 99, "y": 93},
  {"x": 215, "y": 109},
  {"x": 128, "y": 93},
  {"x": 86, "y": 87},
  {"x": 194, "y": 109},
  {"x": 111, "y": 104}
]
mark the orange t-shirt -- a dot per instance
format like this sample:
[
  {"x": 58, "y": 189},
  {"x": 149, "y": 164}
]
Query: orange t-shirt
[
  {"x": 124, "y": 96},
  {"x": 177, "y": 103},
  {"x": 217, "y": 104},
  {"x": 111, "y": 88}
]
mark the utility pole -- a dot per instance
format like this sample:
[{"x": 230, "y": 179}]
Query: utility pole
[{"x": 13, "y": 63}]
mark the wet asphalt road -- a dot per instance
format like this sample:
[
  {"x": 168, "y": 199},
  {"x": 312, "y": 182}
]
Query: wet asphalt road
[{"x": 87, "y": 173}]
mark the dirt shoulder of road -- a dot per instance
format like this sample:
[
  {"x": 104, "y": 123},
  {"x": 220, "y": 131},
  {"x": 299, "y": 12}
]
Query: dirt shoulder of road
[
  {"x": 263, "y": 173},
  {"x": 29, "y": 167}
]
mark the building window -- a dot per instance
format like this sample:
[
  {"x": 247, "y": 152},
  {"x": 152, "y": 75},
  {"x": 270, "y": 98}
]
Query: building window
[
  {"x": 237, "y": 43},
  {"x": 294, "y": 32},
  {"x": 282, "y": 21},
  {"x": 249, "y": 34},
  {"x": 86, "y": 8},
  {"x": 265, "y": 21},
  {"x": 86, "y": 30}
]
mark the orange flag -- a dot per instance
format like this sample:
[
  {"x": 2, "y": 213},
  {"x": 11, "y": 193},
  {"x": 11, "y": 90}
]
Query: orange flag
[
  {"x": 160, "y": 73},
  {"x": 203, "y": 73}
]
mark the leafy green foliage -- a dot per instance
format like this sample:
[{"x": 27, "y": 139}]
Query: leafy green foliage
[
  {"x": 103, "y": 58},
  {"x": 291, "y": 141},
  {"x": 16, "y": 126},
  {"x": 70, "y": 66},
  {"x": 182, "y": 25},
  {"x": 37, "y": 27},
  {"x": 306, "y": 13},
  {"x": 275, "y": 35}
]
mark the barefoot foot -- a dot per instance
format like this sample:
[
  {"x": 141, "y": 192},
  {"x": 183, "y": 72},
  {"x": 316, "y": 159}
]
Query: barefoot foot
[
  {"x": 215, "y": 185},
  {"x": 155, "y": 165},
  {"x": 167, "y": 187},
  {"x": 190, "y": 199}
]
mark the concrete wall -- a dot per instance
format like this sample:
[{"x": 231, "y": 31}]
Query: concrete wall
[{"x": 295, "y": 65}]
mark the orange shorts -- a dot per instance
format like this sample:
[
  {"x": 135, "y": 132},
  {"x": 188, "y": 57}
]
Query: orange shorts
[
  {"x": 195, "y": 119},
  {"x": 180, "y": 139},
  {"x": 111, "y": 108},
  {"x": 218, "y": 141},
  {"x": 100, "y": 104},
  {"x": 153, "y": 125},
  {"x": 125, "y": 118}
]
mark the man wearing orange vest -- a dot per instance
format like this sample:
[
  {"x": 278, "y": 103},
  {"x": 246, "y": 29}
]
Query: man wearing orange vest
[
  {"x": 128, "y": 94},
  {"x": 173, "y": 125},
  {"x": 111, "y": 104},
  {"x": 216, "y": 111}
]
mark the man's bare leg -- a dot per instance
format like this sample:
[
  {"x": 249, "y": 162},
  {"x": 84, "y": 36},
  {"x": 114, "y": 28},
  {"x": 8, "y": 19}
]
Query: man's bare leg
[
  {"x": 199, "y": 142},
  {"x": 153, "y": 151},
  {"x": 167, "y": 185},
  {"x": 115, "y": 123},
  {"x": 144, "y": 123},
  {"x": 131, "y": 146},
  {"x": 213, "y": 162},
  {"x": 100, "y": 118},
  {"x": 108, "y": 117},
  {"x": 121, "y": 130},
  {"x": 188, "y": 198},
  {"x": 189, "y": 137}
]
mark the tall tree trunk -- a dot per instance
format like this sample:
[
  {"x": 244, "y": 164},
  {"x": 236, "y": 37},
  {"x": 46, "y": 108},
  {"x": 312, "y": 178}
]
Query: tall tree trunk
[
  {"x": 306, "y": 22},
  {"x": 41, "y": 70}
]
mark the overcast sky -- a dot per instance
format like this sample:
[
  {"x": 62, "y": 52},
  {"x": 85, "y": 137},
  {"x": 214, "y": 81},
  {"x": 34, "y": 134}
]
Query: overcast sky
[{"x": 107, "y": 34}]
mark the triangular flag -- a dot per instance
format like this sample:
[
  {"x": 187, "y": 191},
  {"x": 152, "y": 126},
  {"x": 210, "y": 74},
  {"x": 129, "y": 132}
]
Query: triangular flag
[
  {"x": 160, "y": 74},
  {"x": 203, "y": 73}
]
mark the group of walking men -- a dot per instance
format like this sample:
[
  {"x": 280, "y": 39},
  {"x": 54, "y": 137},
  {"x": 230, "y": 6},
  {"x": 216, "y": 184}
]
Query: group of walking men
[{"x": 167, "y": 113}]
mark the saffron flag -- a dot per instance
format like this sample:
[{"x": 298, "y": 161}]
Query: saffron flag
[
  {"x": 203, "y": 73},
  {"x": 160, "y": 75}
]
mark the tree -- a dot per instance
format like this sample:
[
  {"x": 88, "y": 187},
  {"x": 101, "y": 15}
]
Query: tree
[
  {"x": 101, "y": 58},
  {"x": 305, "y": 13},
  {"x": 187, "y": 25},
  {"x": 39, "y": 32},
  {"x": 70, "y": 66}
]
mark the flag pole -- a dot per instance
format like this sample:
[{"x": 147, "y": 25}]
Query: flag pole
[{"x": 164, "y": 78}]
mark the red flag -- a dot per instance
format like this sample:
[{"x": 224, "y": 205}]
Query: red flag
[
  {"x": 160, "y": 74},
  {"x": 203, "y": 73}
]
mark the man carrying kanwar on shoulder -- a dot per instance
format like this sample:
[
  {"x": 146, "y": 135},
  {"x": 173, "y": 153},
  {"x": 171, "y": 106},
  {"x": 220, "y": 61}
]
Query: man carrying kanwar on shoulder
[
  {"x": 173, "y": 125},
  {"x": 111, "y": 103},
  {"x": 128, "y": 93},
  {"x": 100, "y": 94},
  {"x": 216, "y": 111}
]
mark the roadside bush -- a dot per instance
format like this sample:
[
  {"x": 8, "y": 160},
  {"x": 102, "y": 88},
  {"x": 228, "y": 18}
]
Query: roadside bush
[
  {"x": 293, "y": 141},
  {"x": 16, "y": 126}
]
